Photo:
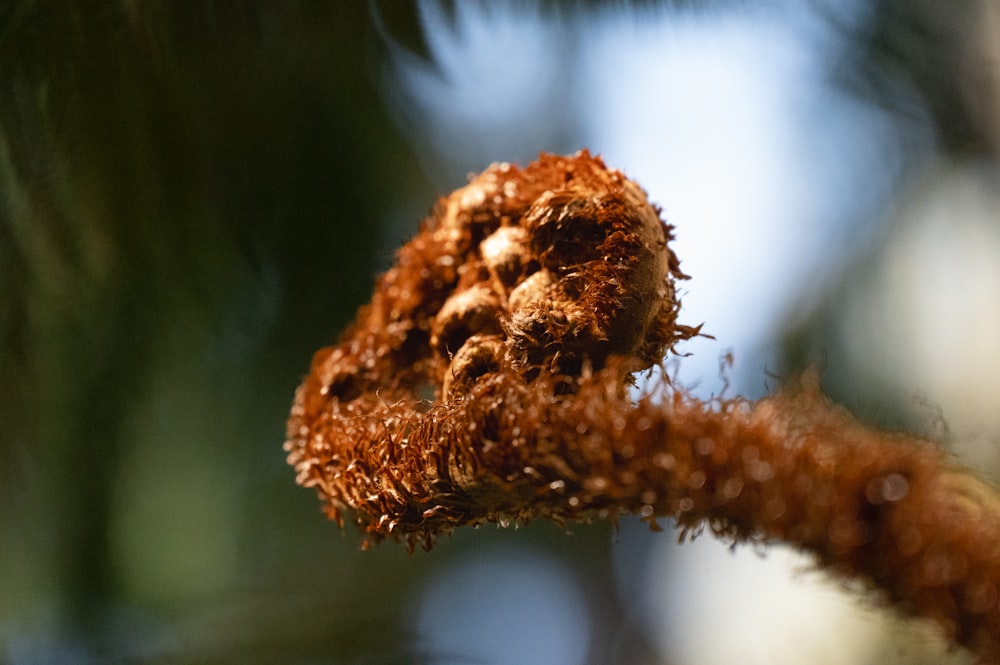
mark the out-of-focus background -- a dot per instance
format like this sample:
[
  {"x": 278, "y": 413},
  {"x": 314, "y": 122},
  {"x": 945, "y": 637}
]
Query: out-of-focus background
[{"x": 196, "y": 196}]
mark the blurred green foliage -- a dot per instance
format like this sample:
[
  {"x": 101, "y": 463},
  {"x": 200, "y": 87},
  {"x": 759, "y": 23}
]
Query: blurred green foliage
[{"x": 191, "y": 201}]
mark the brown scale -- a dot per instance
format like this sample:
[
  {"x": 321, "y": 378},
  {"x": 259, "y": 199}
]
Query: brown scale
[{"x": 522, "y": 306}]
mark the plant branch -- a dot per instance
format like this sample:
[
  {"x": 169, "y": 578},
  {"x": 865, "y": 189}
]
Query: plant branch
[{"x": 531, "y": 417}]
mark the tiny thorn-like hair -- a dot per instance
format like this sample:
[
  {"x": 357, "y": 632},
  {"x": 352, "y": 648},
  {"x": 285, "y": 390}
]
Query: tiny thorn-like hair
[{"x": 487, "y": 381}]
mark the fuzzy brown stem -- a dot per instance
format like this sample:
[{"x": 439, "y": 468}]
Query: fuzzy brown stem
[{"x": 882, "y": 507}]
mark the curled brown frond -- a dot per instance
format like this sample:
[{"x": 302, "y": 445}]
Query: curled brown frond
[
  {"x": 486, "y": 382},
  {"x": 525, "y": 278}
]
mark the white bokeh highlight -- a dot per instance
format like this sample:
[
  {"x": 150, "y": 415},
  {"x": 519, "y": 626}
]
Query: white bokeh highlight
[
  {"x": 929, "y": 320},
  {"x": 718, "y": 606}
]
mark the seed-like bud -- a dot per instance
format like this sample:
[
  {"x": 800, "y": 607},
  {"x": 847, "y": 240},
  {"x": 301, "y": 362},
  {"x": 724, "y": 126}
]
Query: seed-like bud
[
  {"x": 506, "y": 254},
  {"x": 466, "y": 313},
  {"x": 566, "y": 229},
  {"x": 480, "y": 355}
]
